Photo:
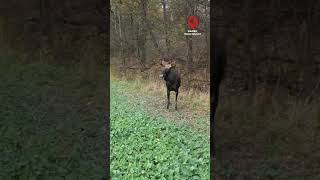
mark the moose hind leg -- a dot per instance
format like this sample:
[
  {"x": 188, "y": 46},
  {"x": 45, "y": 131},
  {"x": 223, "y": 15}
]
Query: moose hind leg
[
  {"x": 177, "y": 93},
  {"x": 168, "y": 96}
]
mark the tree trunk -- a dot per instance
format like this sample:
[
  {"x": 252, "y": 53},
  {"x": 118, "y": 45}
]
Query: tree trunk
[
  {"x": 122, "y": 56},
  {"x": 251, "y": 73},
  {"x": 132, "y": 50},
  {"x": 4, "y": 30},
  {"x": 46, "y": 20},
  {"x": 189, "y": 44},
  {"x": 154, "y": 39},
  {"x": 165, "y": 19},
  {"x": 207, "y": 36},
  {"x": 143, "y": 37}
]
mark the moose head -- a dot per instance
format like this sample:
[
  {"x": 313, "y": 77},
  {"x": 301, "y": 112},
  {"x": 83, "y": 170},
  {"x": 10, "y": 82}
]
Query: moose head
[
  {"x": 166, "y": 65},
  {"x": 172, "y": 78}
]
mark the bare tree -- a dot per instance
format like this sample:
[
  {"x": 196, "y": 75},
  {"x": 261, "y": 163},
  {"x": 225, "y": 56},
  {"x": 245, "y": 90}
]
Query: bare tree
[{"x": 165, "y": 22}]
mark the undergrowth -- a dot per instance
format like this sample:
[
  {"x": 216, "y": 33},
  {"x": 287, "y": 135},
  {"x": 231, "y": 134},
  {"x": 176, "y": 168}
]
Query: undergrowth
[
  {"x": 51, "y": 122},
  {"x": 193, "y": 105},
  {"x": 261, "y": 135},
  {"x": 145, "y": 147}
]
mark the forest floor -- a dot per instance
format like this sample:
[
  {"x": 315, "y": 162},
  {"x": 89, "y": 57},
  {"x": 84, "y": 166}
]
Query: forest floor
[
  {"x": 147, "y": 143},
  {"x": 259, "y": 136},
  {"x": 51, "y": 122},
  {"x": 193, "y": 107},
  {"x": 52, "y": 125}
]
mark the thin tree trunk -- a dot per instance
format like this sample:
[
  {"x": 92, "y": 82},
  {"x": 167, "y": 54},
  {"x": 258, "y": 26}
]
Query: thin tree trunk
[
  {"x": 121, "y": 39},
  {"x": 46, "y": 19},
  {"x": 207, "y": 36},
  {"x": 4, "y": 30},
  {"x": 308, "y": 63},
  {"x": 251, "y": 73},
  {"x": 132, "y": 50},
  {"x": 138, "y": 40},
  {"x": 143, "y": 38},
  {"x": 154, "y": 39},
  {"x": 165, "y": 19},
  {"x": 189, "y": 45}
]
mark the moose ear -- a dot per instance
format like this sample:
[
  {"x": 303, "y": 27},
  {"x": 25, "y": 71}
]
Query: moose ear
[{"x": 162, "y": 63}]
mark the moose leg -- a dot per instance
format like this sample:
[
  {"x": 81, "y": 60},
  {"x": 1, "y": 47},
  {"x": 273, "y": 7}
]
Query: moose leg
[
  {"x": 168, "y": 96},
  {"x": 177, "y": 99}
]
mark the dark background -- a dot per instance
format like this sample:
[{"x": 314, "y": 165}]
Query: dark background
[
  {"x": 54, "y": 89},
  {"x": 267, "y": 124},
  {"x": 54, "y": 83}
]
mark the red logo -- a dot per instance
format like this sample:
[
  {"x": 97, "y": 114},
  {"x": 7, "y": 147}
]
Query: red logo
[{"x": 193, "y": 21}]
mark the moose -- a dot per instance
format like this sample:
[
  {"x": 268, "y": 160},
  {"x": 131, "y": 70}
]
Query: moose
[{"x": 172, "y": 78}]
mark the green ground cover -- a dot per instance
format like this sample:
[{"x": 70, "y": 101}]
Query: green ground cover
[{"x": 146, "y": 146}]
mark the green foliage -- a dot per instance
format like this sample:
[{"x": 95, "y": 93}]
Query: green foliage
[
  {"x": 153, "y": 148},
  {"x": 42, "y": 113}
]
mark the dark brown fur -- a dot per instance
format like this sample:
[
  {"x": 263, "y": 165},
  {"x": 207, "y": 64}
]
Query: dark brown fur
[{"x": 173, "y": 81}]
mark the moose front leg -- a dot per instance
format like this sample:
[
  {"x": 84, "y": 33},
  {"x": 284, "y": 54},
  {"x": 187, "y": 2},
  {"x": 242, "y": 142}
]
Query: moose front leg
[
  {"x": 168, "y": 96},
  {"x": 177, "y": 93}
]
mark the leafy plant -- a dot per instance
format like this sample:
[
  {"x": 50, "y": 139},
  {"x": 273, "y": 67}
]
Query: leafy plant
[{"x": 143, "y": 147}]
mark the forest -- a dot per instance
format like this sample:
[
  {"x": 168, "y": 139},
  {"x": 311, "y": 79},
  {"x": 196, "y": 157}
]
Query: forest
[
  {"x": 143, "y": 32},
  {"x": 54, "y": 90},
  {"x": 267, "y": 124}
]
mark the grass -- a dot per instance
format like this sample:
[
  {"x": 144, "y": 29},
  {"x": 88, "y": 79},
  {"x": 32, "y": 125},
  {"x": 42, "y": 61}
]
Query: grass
[
  {"x": 265, "y": 135},
  {"x": 144, "y": 146},
  {"x": 52, "y": 127},
  {"x": 51, "y": 122},
  {"x": 193, "y": 106}
]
